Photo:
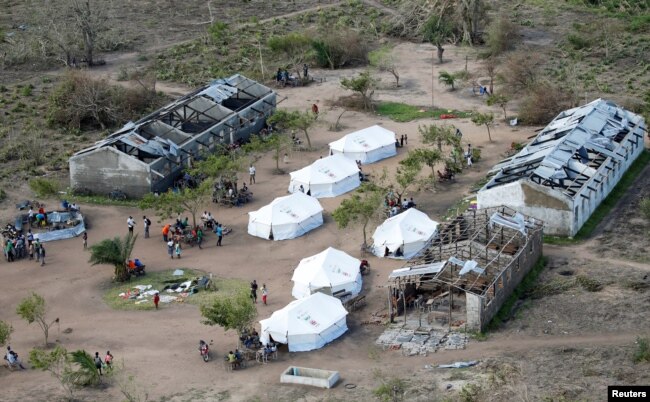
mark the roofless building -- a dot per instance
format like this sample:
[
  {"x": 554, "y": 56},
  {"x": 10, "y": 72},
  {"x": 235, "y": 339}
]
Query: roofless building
[{"x": 150, "y": 154}]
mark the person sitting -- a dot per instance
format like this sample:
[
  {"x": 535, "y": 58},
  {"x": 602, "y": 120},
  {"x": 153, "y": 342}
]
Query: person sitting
[
  {"x": 138, "y": 263},
  {"x": 74, "y": 207},
  {"x": 185, "y": 223},
  {"x": 405, "y": 203},
  {"x": 386, "y": 252},
  {"x": 131, "y": 265},
  {"x": 12, "y": 358},
  {"x": 399, "y": 252},
  {"x": 393, "y": 211},
  {"x": 238, "y": 355},
  {"x": 65, "y": 205}
]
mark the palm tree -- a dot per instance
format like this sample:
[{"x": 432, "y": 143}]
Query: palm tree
[
  {"x": 447, "y": 78},
  {"x": 87, "y": 374},
  {"x": 114, "y": 251}
]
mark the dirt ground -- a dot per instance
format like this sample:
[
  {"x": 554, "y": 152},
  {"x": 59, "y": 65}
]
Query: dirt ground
[{"x": 159, "y": 347}]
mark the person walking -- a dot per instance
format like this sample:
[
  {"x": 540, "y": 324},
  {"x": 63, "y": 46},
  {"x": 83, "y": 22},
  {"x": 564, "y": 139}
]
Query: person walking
[
  {"x": 165, "y": 232},
  {"x": 147, "y": 225},
  {"x": 178, "y": 249},
  {"x": 98, "y": 363},
  {"x": 199, "y": 236},
  {"x": 254, "y": 291},
  {"x": 170, "y": 248},
  {"x": 85, "y": 238},
  {"x": 12, "y": 358},
  {"x": 41, "y": 253},
  {"x": 131, "y": 224},
  {"x": 251, "y": 173},
  {"x": 265, "y": 293},
  {"x": 219, "y": 231},
  {"x": 156, "y": 300},
  {"x": 108, "y": 360}
]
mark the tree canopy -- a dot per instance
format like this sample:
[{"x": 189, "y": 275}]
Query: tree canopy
[
  {"x": 364, "y": 204},
  {"x": 230, "y": 312},
  {"x": 364, "y": 85},
  {"x": 294, "y": 120},
  {"x": 32, "y": 309},
  {"x": 171, "y": 203},
  {"x": 116, "y": 252},
  {"x": 383, "y": 60},
  {"x": 483, "y": 119},
  {"x": 295, "y": 46}
]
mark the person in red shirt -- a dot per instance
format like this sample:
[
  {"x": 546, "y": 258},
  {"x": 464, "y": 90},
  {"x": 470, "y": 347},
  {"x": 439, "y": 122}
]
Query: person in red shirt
[
  {"x": 156, "y": 300},
  {"x": 165, "y": 232}
]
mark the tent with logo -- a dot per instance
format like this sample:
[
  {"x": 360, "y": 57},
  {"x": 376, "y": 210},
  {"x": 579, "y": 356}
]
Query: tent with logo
[
  {"x": 306, "y": 324},
  {"x": 330, "y": 271},
  {"x": 286, "y": 217},
  {"x": 327, "y": 177},
  {"x": 368, "y": 145},
  {"x": 408, "y": 232}
]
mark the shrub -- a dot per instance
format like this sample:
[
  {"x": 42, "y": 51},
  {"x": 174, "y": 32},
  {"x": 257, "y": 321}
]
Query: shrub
[
  {"x": 339, "y": 48},
  {"x": 520, "y": 70},
  {"x": 542, "y": 103},
  {"x": 27, "y": 90},
  {"x": 44, "y": 187},
  {"x": 645, "y": 207},
  {"x": 642, "y": 353},
  {"x": 501, "y": 36},
  {"x": 476, "y": 154},
  {"x": 578, "y": 41}
]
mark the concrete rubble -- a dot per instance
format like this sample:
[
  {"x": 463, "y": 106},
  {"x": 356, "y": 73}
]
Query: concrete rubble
[{"x": 420, "y": 342}]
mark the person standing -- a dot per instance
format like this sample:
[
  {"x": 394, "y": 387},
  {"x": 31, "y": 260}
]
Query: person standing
[
  {"x": 251, "y": 173},
  {"x": 85, "y": 238},
  {"x": 219, "y": 232},
  {"x": 305, "y": 71},
  {"x": 147, "y": 224},
  {"x": 406, "y": 139},
  {"x": 98, "y": 363},
  {"x": 109, "y": 360},
  {"x": 401, "y": 141},
  {"x": 131, "y": 224},
  {"x": 265, "y": 293},
  {"x": 41, "y": 253},
  {"x": 178, "y": 249},
  {"x": 199, "y": 236},
  {"x": 165, "y": 232},
  {"x": 170, "y": 248},
  {"x": 254, "y": 291},
  {"x": 12, "y": 358},
  {"x": 156, "y": 300},
  {"x": 30, "y": 249}
]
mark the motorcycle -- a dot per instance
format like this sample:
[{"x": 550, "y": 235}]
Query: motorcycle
[{"x": 204, "y": 350}]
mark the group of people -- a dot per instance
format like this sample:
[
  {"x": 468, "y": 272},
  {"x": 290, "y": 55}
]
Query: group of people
[
  {"x": 106, "y": 364},
  {"x": 399, "y": 142},
  {"x": 394, "y": 205},
  {"x": 254, "y": 288},
  {"x": 282, "y": 76},
  {"x": 38, "y": 217},
  {"x": 22, "y": 246}
]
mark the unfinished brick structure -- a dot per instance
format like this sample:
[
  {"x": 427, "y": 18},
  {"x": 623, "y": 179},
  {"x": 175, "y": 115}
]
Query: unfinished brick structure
[{"x": 478, "y": 258}]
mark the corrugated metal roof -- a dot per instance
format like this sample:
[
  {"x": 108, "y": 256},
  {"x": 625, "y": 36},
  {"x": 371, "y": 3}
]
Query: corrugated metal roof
[{"x": 575, "y": 136}]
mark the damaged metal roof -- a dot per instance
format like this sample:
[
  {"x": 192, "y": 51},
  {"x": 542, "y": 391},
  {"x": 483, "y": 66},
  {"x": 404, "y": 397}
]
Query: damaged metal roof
[{"x": 571, "y": 149}]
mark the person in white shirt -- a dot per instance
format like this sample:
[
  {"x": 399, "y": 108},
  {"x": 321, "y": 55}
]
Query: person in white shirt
[
  {"x": 12, "y": 358},
  {"x": 131, "y": 224},
  {"x": 251, "y": 172},
  {"x": 405, "y": 203}
]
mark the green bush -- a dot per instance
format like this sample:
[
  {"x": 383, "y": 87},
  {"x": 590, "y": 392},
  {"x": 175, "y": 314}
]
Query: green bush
[
  {"x": 542, "y": 103},
  {"x": 476, "y": 154},
  {"x": 44, "y": 187},
  {"x": 642, "y": 352},
  {"x": 645, "y": 207},
  {"x": 27, "y": 90},
  {"x": 501, "y": 36},
  {"x": 578, "y": 42}
]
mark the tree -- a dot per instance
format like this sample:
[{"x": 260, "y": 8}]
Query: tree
[
  {"x": 87, "y": 373},
  {"x": 427, "y": 156},
  {"x": 448, "y": 79},
  {"x": 58, "y": 364},
  {"x": 172, "y": 203},
  {"x": 490, "y": 66},
  {"x": 295, "y": 46},
  {"x": 32, "y": 309},
  {"x": 361, "y": 207},
  {"x": 230, "y": 312},
  {"x": 438, "y": 30},
  {"x": 469, "y": 14},
  {"x": 364, "y": 84},
  {"x": 501, "y": 101},
  {"x": 289, "y": 120},
  {"x": 485, "y": 119},
  {"x": 406, "y": 175},
  {"x": 5, "y": 332},
  {"x": 116, "y": 251},
  {"x": 439, "y": 136},
  {"x": 501, "y": 36},
  {"x": 383, "y": 60}
]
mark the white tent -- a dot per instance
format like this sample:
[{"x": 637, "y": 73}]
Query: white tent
[
  {"x": 368, "y": 145},
  {"x": 331, "y": 270},
  {"x": 409, "y": 231},
  {"x": 327, "y": 177},
  {"x": 286, "y": 217},
  {"x": 306, "y": 324}
]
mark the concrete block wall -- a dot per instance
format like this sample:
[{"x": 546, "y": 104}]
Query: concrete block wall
[{"x": 480, "y": 310}]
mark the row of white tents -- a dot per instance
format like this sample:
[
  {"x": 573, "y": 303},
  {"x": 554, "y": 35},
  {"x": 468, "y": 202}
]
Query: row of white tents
[{"x": 316, "y": 318}]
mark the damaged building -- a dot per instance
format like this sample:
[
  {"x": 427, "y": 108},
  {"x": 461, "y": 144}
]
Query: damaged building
[
  {"x": 148, "y": 155},
  {"x": 569, "y": 168},
  {"x": 468, "y": 271}
]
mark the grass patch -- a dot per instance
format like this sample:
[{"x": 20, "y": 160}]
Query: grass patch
[
  {"x": 614, "y": 196},
  {"x": 605, "y": 207},
  {"x": 401, "y": 112},
  {"x": 158, "y": 280},
  {"x": 527, "y": 284},
  {"x": 642, "y": 352}
]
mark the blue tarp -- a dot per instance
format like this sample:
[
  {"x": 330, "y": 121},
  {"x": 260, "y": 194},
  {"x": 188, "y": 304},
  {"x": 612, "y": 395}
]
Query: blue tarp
[{"x": 60, "y": 234}]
